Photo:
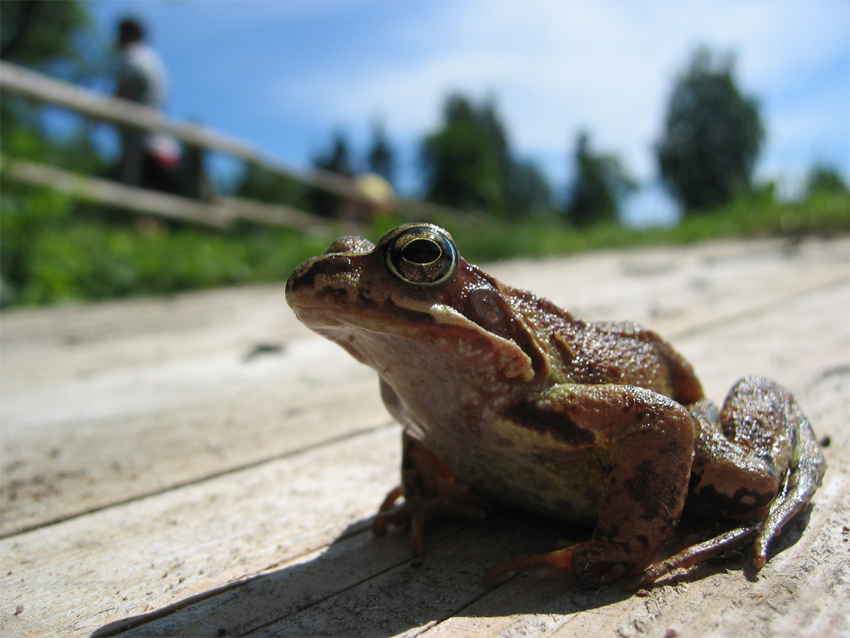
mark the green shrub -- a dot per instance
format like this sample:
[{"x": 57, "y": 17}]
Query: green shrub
[{"x": 53, "y": 250}]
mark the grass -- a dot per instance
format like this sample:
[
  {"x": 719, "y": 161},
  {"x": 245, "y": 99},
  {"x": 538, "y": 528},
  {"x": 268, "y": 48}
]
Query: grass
[
  {"x": 825, "y": 214},
  {"x": 55, "y": 251}
]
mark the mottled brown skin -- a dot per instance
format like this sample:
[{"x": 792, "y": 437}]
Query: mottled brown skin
[{"x": 504, "y": 397}]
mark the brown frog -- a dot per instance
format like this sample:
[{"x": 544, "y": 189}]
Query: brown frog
[{"x": 505, "y": 397}]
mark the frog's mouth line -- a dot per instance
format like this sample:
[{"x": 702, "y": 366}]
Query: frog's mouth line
[
  {"x": 443, "y": 329},
  {"x": 327, "y": 320}
]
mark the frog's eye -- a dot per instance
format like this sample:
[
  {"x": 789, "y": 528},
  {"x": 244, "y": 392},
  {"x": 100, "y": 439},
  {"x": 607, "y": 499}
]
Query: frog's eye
[{"x": 423, "y": 256}]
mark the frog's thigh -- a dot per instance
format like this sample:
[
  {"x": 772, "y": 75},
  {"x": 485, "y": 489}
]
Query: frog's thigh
[
  {"x": 744, "y": 453},
  {"x": 758, "y": 460},
  {"x": 651, "y": 439}
]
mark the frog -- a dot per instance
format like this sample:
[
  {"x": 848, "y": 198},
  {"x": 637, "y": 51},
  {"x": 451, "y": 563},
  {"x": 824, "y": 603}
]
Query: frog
[{"x": 504, "y": 398}]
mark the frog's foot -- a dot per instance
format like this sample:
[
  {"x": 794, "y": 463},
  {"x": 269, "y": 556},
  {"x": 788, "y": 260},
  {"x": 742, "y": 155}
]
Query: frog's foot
[
  {"x": 798, "y": 487},
  {"x": 593, "y": 563},
  {"x": 418, "y": 514},
  {"x": 694, "y": 554},
  {"x": 559, "y": 559},
  {"x": 597, "y": 563},
  {"x": 430, "y": 492},
  {"x": 391, "y": 514}
]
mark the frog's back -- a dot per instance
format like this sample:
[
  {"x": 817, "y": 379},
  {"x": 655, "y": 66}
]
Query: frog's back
[{"x": 599, "y": 352}]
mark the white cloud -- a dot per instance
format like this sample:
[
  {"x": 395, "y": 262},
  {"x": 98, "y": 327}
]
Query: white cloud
[{"x": 557, "y": 67}]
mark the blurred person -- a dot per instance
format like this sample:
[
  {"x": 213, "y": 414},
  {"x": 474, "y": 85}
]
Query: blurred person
[{"x": 148, "y": 159}]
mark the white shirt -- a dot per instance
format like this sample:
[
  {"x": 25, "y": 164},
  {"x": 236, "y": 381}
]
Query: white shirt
[{"x": 141, "y": 75}]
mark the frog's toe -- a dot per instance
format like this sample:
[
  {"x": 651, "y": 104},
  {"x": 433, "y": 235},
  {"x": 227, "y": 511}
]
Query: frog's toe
[
  {"x": 693, "y": 555},
  {"x": 419, "y": 514},
  {"x": 559, "y": 559},
  {"x": 798, "y": 487},
  {"x": 397, "y": 517}
]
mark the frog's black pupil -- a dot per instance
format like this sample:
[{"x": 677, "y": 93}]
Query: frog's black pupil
[{"x": 421, "y": 251}]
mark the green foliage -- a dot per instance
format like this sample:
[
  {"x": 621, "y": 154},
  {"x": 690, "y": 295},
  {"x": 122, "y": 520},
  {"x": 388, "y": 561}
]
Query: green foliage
[
  {"x": 37, "y": 33},
  {"x": 263, "y": 185},
  {"x": 825, "y": 179},
  {"x": 48, "y": 257},
  {"x": 380, "y": 158},
  {"x": 58, "y": 37},
  {"x": 468, "y": 164},
  {"x": 337, "y": 159},
  {"x": 712, "y": 135},
  {"x": 527, "y": 193},
  {"x": 53, "y": 249},
  {"x": 599, "y": 185},
  {"x": 755, "y": 214},
  {"x": 462, "y": 170},
  {"x": 50, "y": 254},
  {"x": 27, "y": 213},
  {"x": 97, "y": 261}
]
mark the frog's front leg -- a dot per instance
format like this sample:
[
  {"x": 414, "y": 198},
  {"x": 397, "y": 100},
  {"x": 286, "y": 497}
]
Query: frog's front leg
[
  {"x": 430, "y": 491},
  {"x": 756, "y": 461},
  {"x": 650, "y": 443}
]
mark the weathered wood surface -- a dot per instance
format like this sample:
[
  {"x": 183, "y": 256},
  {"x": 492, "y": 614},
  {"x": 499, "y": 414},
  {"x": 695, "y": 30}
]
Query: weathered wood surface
[
  {"x": 220, "y": 213},
  {"x": 203, "y": 465}
]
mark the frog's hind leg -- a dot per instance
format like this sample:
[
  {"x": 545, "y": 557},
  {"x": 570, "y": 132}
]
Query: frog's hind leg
[
  {"x": 647, "y": 469},
  {"x": 756, "y": 461},
  {"x": 430, "y": 492}
]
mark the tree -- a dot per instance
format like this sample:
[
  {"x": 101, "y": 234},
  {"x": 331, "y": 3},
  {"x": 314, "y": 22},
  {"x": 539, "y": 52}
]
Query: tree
[
  {"x": 57, "y": 37},
  {"x": 37, "y": 33},
  {"x": 336, "y": 160},
  {"x": 712, "y": 135},
  {"x": 267, "y": 186},
  {"x": 598, "y": 186},
  {"x": 460, "y": 160},
  {"x": 527, "y": 190},
  {"x": 381, "y": 159},
  {"x": 468, "y": 163},
  {"x": 825, "y": 179}
]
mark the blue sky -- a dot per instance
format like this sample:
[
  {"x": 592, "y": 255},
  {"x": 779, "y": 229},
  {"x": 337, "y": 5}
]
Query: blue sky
[{"x": 284, "y": 75}]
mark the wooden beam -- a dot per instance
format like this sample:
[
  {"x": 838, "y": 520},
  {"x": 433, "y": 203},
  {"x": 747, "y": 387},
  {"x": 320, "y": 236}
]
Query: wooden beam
[
  {"x": 275, "y": 214},
  {"x": 104, "y": 191},
  {"x": 36, "y": 86},
  {"x": 220, "y": 214}
]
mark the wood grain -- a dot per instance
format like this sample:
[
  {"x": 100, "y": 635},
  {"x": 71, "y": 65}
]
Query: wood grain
[{"x": 202, "y": 464}]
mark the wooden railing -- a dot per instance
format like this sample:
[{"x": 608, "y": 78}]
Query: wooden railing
[{"x": 221, "y": 212}]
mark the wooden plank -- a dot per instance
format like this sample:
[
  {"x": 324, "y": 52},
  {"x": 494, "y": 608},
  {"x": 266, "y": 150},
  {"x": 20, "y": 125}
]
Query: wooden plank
[
  {"x": 274, "y": 214},
  {"x": 73, "y": 577},
  {"x": 104, "y": 191},
  {"x": 219, "y": 213},
  {"x": 114, "y": 405},
  {"x": 248, "y": 549},
  {"x": 366, "y": 586},
  {"x": 235, "y": 527},
  {"x": 156, "y": 400}
]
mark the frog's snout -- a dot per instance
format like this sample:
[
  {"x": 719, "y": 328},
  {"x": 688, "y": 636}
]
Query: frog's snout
[
  {"x": 305, "y": 274},
  {"x": 332, "y": 265}
]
